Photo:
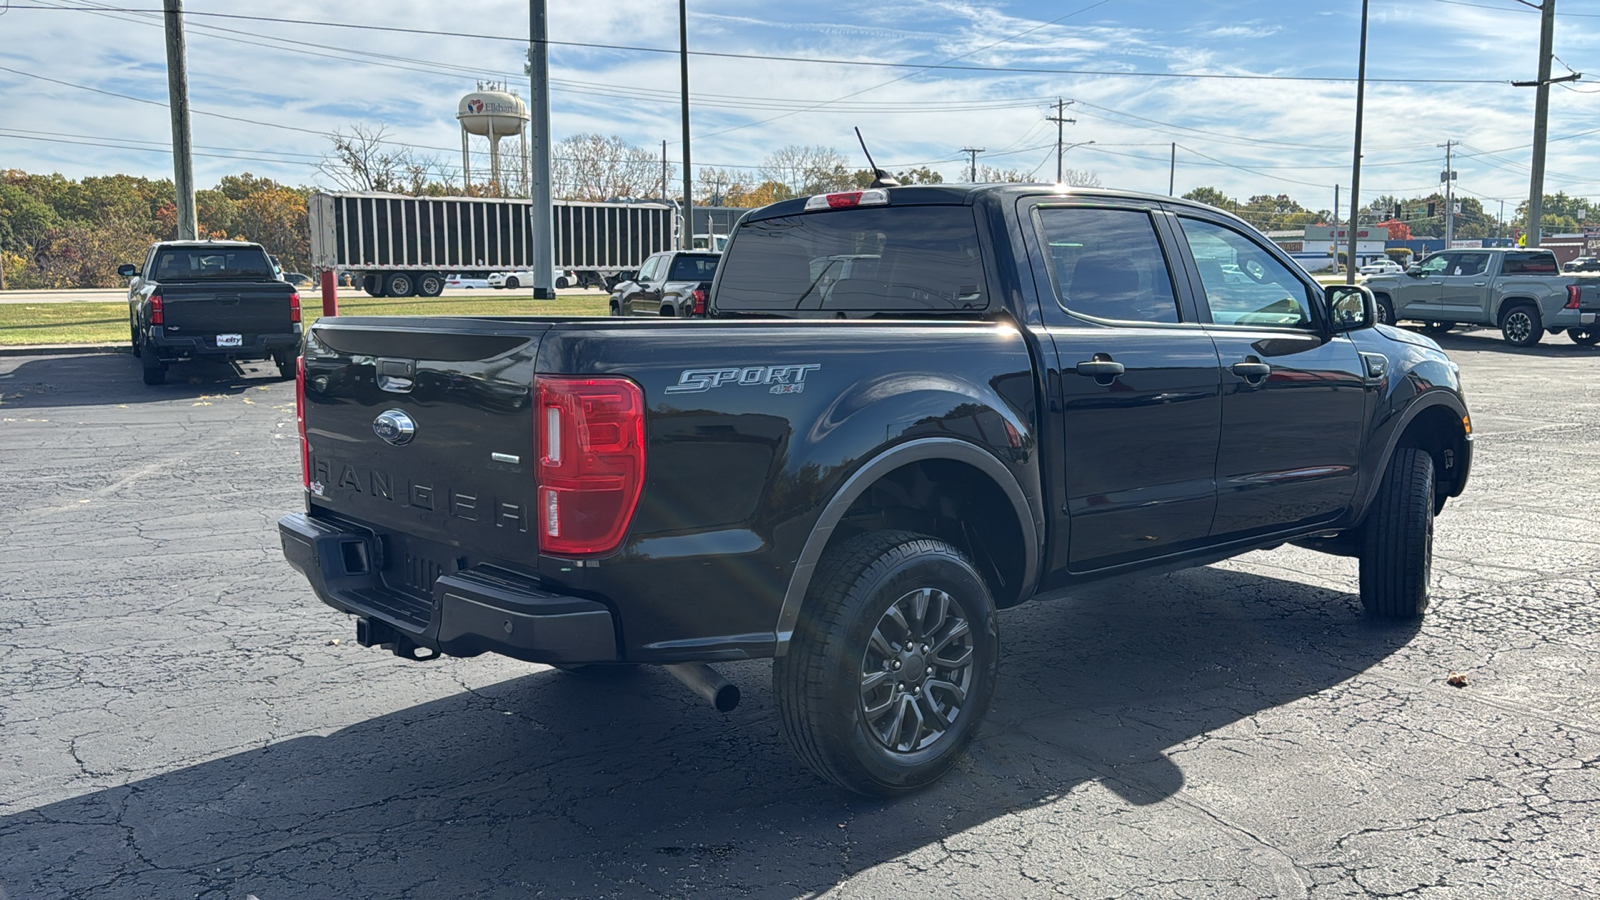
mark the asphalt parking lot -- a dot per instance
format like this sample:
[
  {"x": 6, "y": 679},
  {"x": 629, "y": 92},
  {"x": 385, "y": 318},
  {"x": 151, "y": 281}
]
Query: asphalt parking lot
[{"x": 182, "y": 718}]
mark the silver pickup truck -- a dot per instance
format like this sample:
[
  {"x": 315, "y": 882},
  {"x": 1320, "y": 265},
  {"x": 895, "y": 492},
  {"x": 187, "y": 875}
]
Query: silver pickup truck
[{"x": 1522, "y": 292}]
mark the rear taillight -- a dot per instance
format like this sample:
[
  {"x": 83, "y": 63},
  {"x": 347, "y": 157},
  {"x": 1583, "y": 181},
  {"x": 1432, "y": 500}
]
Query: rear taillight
[
  {"x": 699, "y": 301},
  {"x": 300, "y": 420},
  {"x": 591, "y": 463},
  {"x": 1572, "y": 297},
  {"x": 294, "y": 307},
  {"x": 158, "y": 316}
]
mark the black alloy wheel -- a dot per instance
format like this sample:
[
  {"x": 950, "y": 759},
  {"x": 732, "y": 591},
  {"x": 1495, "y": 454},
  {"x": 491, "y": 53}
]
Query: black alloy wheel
[
  {"x": 892, "y": 663},
  {"x": 1520, "y": 326}
]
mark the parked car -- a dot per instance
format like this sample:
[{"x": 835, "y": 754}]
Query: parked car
[
  {"x": 1018, "y": 390},
  {"x": 298, "y": 279},
  {"x": 1522, "y": 292},
  {"x": 1385, "y": 267},
  {"x": 463, "y": 282},
  {"x": 1584, "y": 264},
  {"x": 560, "y": 279},
  {"x": 210, "y": 300},
  {"x": 674, "y": 283}
]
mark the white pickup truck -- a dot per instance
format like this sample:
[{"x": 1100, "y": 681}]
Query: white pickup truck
[{"x": 1521, "y": 292}]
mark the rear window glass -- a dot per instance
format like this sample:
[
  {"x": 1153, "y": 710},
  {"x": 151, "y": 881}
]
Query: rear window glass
[
  {"x": 859, "y": 262},
  {"x": 1531, "y": 264},
  {"x": 186, "y": 264},
  {"x": 693, "y": 268}
]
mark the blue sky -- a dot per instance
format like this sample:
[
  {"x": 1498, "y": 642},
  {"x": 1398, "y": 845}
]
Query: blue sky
[{"x": 1259, "y": 122}]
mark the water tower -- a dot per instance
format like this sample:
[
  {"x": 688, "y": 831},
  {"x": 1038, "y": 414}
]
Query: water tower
[{"x": 493, "y": 112}]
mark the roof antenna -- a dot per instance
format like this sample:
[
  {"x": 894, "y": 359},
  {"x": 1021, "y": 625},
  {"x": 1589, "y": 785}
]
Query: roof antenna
[{"x": 880, "y": 178}]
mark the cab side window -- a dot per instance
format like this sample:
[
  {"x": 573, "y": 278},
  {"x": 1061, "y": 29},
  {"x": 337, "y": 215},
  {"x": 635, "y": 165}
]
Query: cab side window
[
  {"x": 1108, "y": 264},
  {"x": 1244, "y": 284},
  {"x": 647, "y": 272}
]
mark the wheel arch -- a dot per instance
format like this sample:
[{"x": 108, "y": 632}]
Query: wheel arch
[
  {"x": 1006, "y": 549},
  {"x": 1440, "y": 425},
  {"x": 1509, "y": 303}
]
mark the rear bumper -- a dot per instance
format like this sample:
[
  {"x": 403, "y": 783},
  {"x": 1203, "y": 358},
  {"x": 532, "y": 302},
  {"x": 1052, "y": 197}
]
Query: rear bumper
[
  {"x": 482, "y": 609},
  {"x": 168, "y": 346}
]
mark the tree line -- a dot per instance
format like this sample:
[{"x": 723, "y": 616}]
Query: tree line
[{"x": 1409, "y": 217}]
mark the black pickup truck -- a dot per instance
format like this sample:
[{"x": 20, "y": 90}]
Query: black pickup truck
[
  {"x": 671, "y": 283},
  {"x": 210, "y": 299},
  {"x": 910, "y": 407}
]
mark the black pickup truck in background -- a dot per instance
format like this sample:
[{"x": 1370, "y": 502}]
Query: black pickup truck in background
[
  {"x": 910, "y": 407},
  {"x": 210, "y": 299},
  {"x": 671, "y": 283}
]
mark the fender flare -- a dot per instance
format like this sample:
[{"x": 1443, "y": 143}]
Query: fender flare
[
  {"x": 1426, "y": 402},
  {"x": 864, "y": 477}
]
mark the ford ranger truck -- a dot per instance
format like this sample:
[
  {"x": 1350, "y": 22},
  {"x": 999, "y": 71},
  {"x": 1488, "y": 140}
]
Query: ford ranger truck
[
  {"x": 1522, "y": 292},
  {"x": 218, "y": 300},
  {"x": 909, "y": 407}
]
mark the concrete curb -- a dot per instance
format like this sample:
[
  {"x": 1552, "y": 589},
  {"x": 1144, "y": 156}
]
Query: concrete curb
[{"x": 60, "y": 349}]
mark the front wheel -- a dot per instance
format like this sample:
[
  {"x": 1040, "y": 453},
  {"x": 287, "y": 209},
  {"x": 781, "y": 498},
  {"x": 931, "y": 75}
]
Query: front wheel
[
  {"x": 1385, "y": 310},
  {"x": 892, "y": 664},
  {"x": 1397, "y": 539},
  {"x": 512, "y": 284},
  {"x": 1586, "y": 338},
  {"x": 1520, "y": 326}
]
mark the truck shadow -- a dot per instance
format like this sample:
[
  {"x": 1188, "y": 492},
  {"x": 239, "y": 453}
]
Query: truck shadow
[
  {"x": 100, "y": 379},
  {"x": 625, "y": 785}
]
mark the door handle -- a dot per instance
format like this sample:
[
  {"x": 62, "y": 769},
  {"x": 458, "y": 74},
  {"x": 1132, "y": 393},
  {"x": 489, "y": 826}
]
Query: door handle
[
  {"x": 1249, "y": 370},
  {"x": 1101, "y": 368},
  {"x": 1480, "y": 283}
]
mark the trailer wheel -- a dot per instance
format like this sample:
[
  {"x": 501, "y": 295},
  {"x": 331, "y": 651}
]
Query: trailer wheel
[
  {"x": 430, "y": 284},
  {"x": 400, "y": 284}
]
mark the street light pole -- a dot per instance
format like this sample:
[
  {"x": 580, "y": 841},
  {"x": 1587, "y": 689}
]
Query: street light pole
[{"x": 687, "y": 239}]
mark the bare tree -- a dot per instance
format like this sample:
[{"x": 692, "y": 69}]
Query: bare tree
[
  {"x": 595, "y": 167},
  {"x": 1080, "y": 178},
  {"x": 808, "y": 170},
  {"x": 366, "y": 160}
]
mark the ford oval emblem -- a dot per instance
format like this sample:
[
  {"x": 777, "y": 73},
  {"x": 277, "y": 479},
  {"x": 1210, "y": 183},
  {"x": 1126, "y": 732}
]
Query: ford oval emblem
[{"x": 395, "y": 427}]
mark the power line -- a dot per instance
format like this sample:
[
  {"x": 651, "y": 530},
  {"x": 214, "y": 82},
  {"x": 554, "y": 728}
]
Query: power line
[{"x": 1009, "y": 70}]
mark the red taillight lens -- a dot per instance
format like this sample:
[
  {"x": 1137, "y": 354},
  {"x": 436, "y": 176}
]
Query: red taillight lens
[
  {"x": 591, "y": 463},
  {"x": 158, "y": 316},
  {"x": 840, "y": 201},
  {"x": 1572, "y": 297},
  {"x": 300, "y": 420},
  {"x": 699, "y": 302},
  {"x": 294, "y": 307}
]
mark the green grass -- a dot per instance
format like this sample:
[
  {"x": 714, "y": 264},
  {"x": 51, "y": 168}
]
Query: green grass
[{"x": 107, "y": 323}]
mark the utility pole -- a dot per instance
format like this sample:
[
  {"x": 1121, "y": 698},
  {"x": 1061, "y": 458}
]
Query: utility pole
[
  {"x": 1355, "y": 176},
  {"x": 973, "y": 153},
  {"x": 178, "y": 97},
  {"x": 1172, "y": 169},
  {"x": 686, "y": 240},
  {"x": 1541, "y": 113},
  {"x": 664, "y": 188},
  {"x": 1060, "y": 120},
  {"x": 1500, "y": 222},
  {"x": 540, "y": 206},
  {"x": 1335, "y": 236},
  {"x": 1448, "y": 176}
]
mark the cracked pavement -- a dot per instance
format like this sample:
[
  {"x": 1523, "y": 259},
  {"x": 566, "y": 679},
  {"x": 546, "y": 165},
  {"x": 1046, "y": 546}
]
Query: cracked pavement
[{"x": 176, "y": 719}]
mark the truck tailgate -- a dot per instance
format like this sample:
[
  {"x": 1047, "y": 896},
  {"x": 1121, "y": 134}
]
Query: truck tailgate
[
  {"x": 435, "y": 438},
  {"x": 244, "y": 308}
]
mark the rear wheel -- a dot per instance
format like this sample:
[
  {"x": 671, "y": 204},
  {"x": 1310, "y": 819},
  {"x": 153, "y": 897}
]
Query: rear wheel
[
  {"x": 135, "y": 342},
  {"x": 1397, "y": 539},
  {"x": 562, "y": 283},
  {"x": 1584, "y": 338},
  {"x": 400, "y": 284},
  {"x": 286, "y": 364},
  {"x": 892, "y": 664},
  {"x": 155, "y": 371},
  {"x": 430, "y": 284},
  {"x": 1520, "y": 325}
]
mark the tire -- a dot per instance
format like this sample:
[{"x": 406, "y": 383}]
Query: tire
[
  {"x": 512, "y": 284},
  {"x": 668, "y": 312},
  {"x": 286, "y": 365},
  {"x": 135, "y": 342},
  {"x": 373, "y": 285},
  {"x": 615, "y": 309},
  {"x": 1437, "y": 327},
  {"x": 155, "y": 372},
  {"x": 1397, "y": 539},
  {"x": 1385, "y": 310},
  {"x": 841, "y": 703},
  {"x": 1520, "y": 325},
  {"x": 430, "y": 284},
  {"x": 1584, "y": 338},
  {"x": 562, "y": 283},
  {"x": 400, "y": 284}
]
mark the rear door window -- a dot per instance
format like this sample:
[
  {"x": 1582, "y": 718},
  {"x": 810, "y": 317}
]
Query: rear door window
[
  {"x": 693, "y": 268},
  {"x": 1531, "y": 264},
  {"x": 1108, "y": 264},
  {"x": 908, "y": 260}
]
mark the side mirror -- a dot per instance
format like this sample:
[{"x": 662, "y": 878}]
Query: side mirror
[
  {"x": 128, "y": 271},
  {"x": 1351, "y": 307}
]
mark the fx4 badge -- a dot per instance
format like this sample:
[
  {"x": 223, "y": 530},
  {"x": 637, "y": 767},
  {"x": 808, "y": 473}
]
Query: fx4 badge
[{"x": 786, "y": 379}]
